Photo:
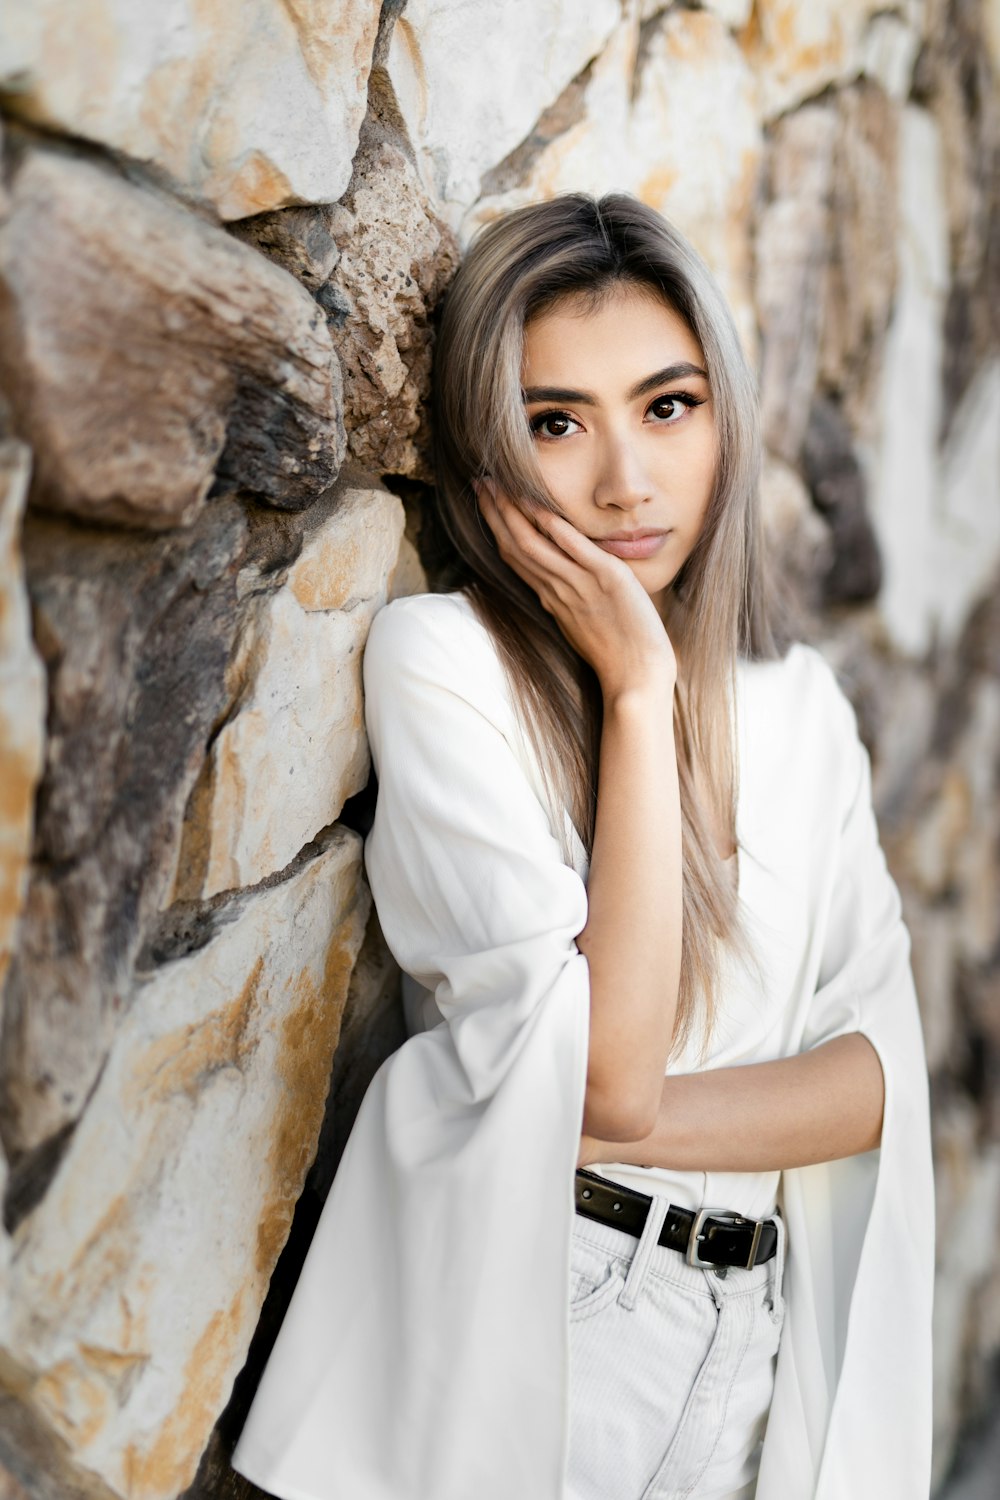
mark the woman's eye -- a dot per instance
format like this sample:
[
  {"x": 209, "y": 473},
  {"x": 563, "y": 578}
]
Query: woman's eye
[
  {"x": 553, "y": 424},
  {"x": 669, "y": 409}
]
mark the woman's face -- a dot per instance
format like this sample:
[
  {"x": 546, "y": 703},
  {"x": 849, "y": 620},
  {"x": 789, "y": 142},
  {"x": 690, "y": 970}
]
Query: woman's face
[{"x": 622, "y": 419}]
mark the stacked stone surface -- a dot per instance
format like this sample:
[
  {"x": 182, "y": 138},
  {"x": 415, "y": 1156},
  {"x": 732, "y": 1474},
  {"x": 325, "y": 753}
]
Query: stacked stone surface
[{"x": 224, "y": 234}]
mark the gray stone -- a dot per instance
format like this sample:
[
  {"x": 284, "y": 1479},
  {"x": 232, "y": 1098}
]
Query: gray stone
[
  {"x": 791, "y": 256},
  {"x": 209, "y": 358},
  {"x": 136, "y": 634}
]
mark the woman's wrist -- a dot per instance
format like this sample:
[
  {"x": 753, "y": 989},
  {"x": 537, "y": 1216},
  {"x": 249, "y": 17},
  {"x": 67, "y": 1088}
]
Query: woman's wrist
[{"x": 640, "y": 688}]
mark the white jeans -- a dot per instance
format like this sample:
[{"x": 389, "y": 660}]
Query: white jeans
[{"x": 671, "y": 1368}]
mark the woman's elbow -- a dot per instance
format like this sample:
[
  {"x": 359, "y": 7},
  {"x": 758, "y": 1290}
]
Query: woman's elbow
[{"x": 619, "y": 1115}]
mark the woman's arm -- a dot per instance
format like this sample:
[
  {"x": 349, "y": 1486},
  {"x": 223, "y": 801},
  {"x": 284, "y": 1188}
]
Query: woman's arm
[
  {"x": 632, "y": 936},
  {"x": 817, "y": 1106},
  {"x": 632, "y": 939}
]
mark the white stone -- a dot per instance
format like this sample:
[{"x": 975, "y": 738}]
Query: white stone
[
  {"x": 904, "y": 471},
  {"x": 889, "y": 53},
  {"x": 471, "y": 79},
  {"x": 284, "y": 764},
  {"x": 138, "y": 1280},
  {"x": 250, "y": 104},
  {"x": 589, "y": 155},
  {"x": 22, "y": 702},
  {"x": 967, "y": 519}
]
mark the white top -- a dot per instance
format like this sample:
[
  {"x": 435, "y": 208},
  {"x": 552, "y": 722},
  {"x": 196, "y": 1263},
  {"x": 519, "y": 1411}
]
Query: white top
[{"x": 425, "y": 1352}]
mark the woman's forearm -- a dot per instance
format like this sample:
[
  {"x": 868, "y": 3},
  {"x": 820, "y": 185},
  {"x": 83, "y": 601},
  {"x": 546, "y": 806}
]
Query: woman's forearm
[
  {"x": 632, "y": 939},
  {"x": 817, "y": 1106}
]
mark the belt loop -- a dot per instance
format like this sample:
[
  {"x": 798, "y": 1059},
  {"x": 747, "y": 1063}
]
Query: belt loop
[
  {"x": 655, "y": 1216},
  {"x": 778, "y": 1263}
]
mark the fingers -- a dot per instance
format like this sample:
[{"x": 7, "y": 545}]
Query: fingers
[{"x": 544, "y": 542}]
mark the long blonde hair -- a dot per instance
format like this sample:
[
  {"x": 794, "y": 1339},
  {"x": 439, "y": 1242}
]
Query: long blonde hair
[{"x": 517, "y": 267}]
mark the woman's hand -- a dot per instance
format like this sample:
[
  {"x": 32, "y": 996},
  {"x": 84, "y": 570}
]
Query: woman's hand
[{"x": 595, "y": 598}]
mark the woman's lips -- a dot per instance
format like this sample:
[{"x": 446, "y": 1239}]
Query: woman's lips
[{"x": 632, "y": 547}]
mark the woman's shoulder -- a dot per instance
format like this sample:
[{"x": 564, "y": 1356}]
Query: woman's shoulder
[{"x": 436, "y": 639}]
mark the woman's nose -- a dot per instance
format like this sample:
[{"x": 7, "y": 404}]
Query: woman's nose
[{"x": 621, "y": 479}]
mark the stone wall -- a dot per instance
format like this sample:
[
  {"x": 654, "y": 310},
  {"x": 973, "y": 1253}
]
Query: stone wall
[{"x": 223, "y": 233}]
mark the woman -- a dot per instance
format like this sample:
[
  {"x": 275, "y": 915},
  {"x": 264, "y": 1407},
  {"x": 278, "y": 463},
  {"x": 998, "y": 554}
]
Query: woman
[{"x": 663, "y": 1025}]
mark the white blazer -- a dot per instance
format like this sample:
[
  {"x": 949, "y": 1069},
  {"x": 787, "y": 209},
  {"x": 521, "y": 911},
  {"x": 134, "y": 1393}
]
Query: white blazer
[{"x": 424, "y": 1355}]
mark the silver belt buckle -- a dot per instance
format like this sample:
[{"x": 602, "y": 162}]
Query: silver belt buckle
[{"x": 692, "y": 1256}]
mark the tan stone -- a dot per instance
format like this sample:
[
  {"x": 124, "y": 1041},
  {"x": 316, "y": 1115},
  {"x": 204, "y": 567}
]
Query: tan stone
[
  {"x": 294, "y": 750},
  {"x": 249, "y": 104},
  {"x": 860, "y": 277},
  {"x": 798, "y": 50},
  {"x": 22, "y": 703},
  {"x": 646, "y": 120},
  {"x": 171, "y": 352},
  {"x": 696, "y": 104},
  {"x": 792, "y": 249},
  {"x": 139, "y": 1278}
]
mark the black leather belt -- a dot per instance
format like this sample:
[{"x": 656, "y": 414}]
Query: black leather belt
[{"x": 710, "y": 1237}]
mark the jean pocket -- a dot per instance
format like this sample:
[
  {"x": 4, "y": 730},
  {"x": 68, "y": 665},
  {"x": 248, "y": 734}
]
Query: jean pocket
[{"x": 596, "y": 1277}]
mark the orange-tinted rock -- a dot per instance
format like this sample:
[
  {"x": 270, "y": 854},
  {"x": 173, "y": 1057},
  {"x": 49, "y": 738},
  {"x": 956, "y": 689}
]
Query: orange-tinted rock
[
  {"x": 22, "y": 704},
  {"x": 181, "y": 1179}
]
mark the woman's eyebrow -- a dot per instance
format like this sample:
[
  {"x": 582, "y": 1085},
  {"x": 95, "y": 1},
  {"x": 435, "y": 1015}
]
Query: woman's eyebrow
[{"x": 533, "y": 393}]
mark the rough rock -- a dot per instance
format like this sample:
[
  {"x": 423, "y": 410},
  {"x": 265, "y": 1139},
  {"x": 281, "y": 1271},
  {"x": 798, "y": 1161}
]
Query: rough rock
[
  {"x": 208, "y": 357},
  {"x": 22, "y": 703},
  {"x": 471, "y": 80},
  {"x": 298, "y": 720},
  {"x": 183, "y": 1173},
  {"x": 396, "y": 257},
  {"x": 249, "y": 104},
  {"x": 136, "y": 633}
]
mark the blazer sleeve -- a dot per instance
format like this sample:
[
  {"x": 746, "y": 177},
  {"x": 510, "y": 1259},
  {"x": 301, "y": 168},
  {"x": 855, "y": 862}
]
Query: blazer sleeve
[
  {"x": 425, "y": 1351},
  {"x": 852, "y": 1407}
]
